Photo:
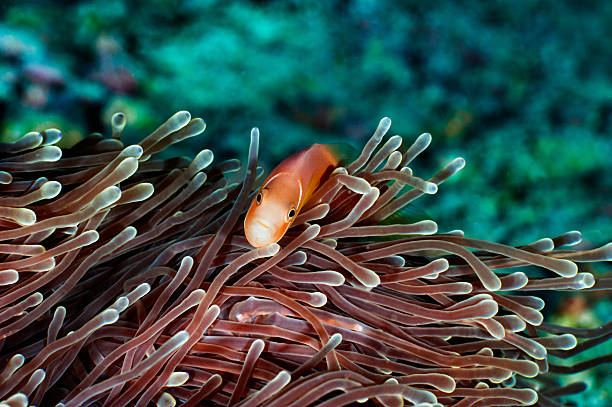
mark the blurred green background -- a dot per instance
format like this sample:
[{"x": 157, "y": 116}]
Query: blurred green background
[{"x": 522, "y": 90}]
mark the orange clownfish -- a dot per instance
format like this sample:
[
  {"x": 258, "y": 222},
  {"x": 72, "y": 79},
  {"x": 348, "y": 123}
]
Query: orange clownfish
[{"x": 285, "y": 192}]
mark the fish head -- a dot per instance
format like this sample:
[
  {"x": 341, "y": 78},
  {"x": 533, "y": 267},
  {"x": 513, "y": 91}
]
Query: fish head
[{"x": 273, "y": 209}]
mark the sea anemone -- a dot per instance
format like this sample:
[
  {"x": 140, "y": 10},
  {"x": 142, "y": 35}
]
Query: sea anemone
[{"x": 127, "y": 280}]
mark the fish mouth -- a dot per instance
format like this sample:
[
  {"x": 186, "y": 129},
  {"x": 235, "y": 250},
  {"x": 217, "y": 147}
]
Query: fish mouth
[
  {"x": 260, "y": 233},
  {"x": 263, "y": 224}
]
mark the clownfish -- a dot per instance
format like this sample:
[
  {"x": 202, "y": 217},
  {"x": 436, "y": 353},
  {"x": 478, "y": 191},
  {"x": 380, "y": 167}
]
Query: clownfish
[{"x": 285, "y": 191}]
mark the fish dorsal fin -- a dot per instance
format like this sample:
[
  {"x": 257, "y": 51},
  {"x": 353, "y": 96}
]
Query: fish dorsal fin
[{"x": 344, "y": 152}]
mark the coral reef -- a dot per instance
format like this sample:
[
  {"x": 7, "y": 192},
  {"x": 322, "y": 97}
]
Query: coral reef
[{"x": 127, "y": 280}]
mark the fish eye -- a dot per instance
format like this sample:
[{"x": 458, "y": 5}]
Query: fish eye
[
  {"x": 258, "y": 198},
  {"x": 291, "y": 214}
]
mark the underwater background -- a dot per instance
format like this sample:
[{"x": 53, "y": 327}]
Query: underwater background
[{"x": 521, "y": 90}]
